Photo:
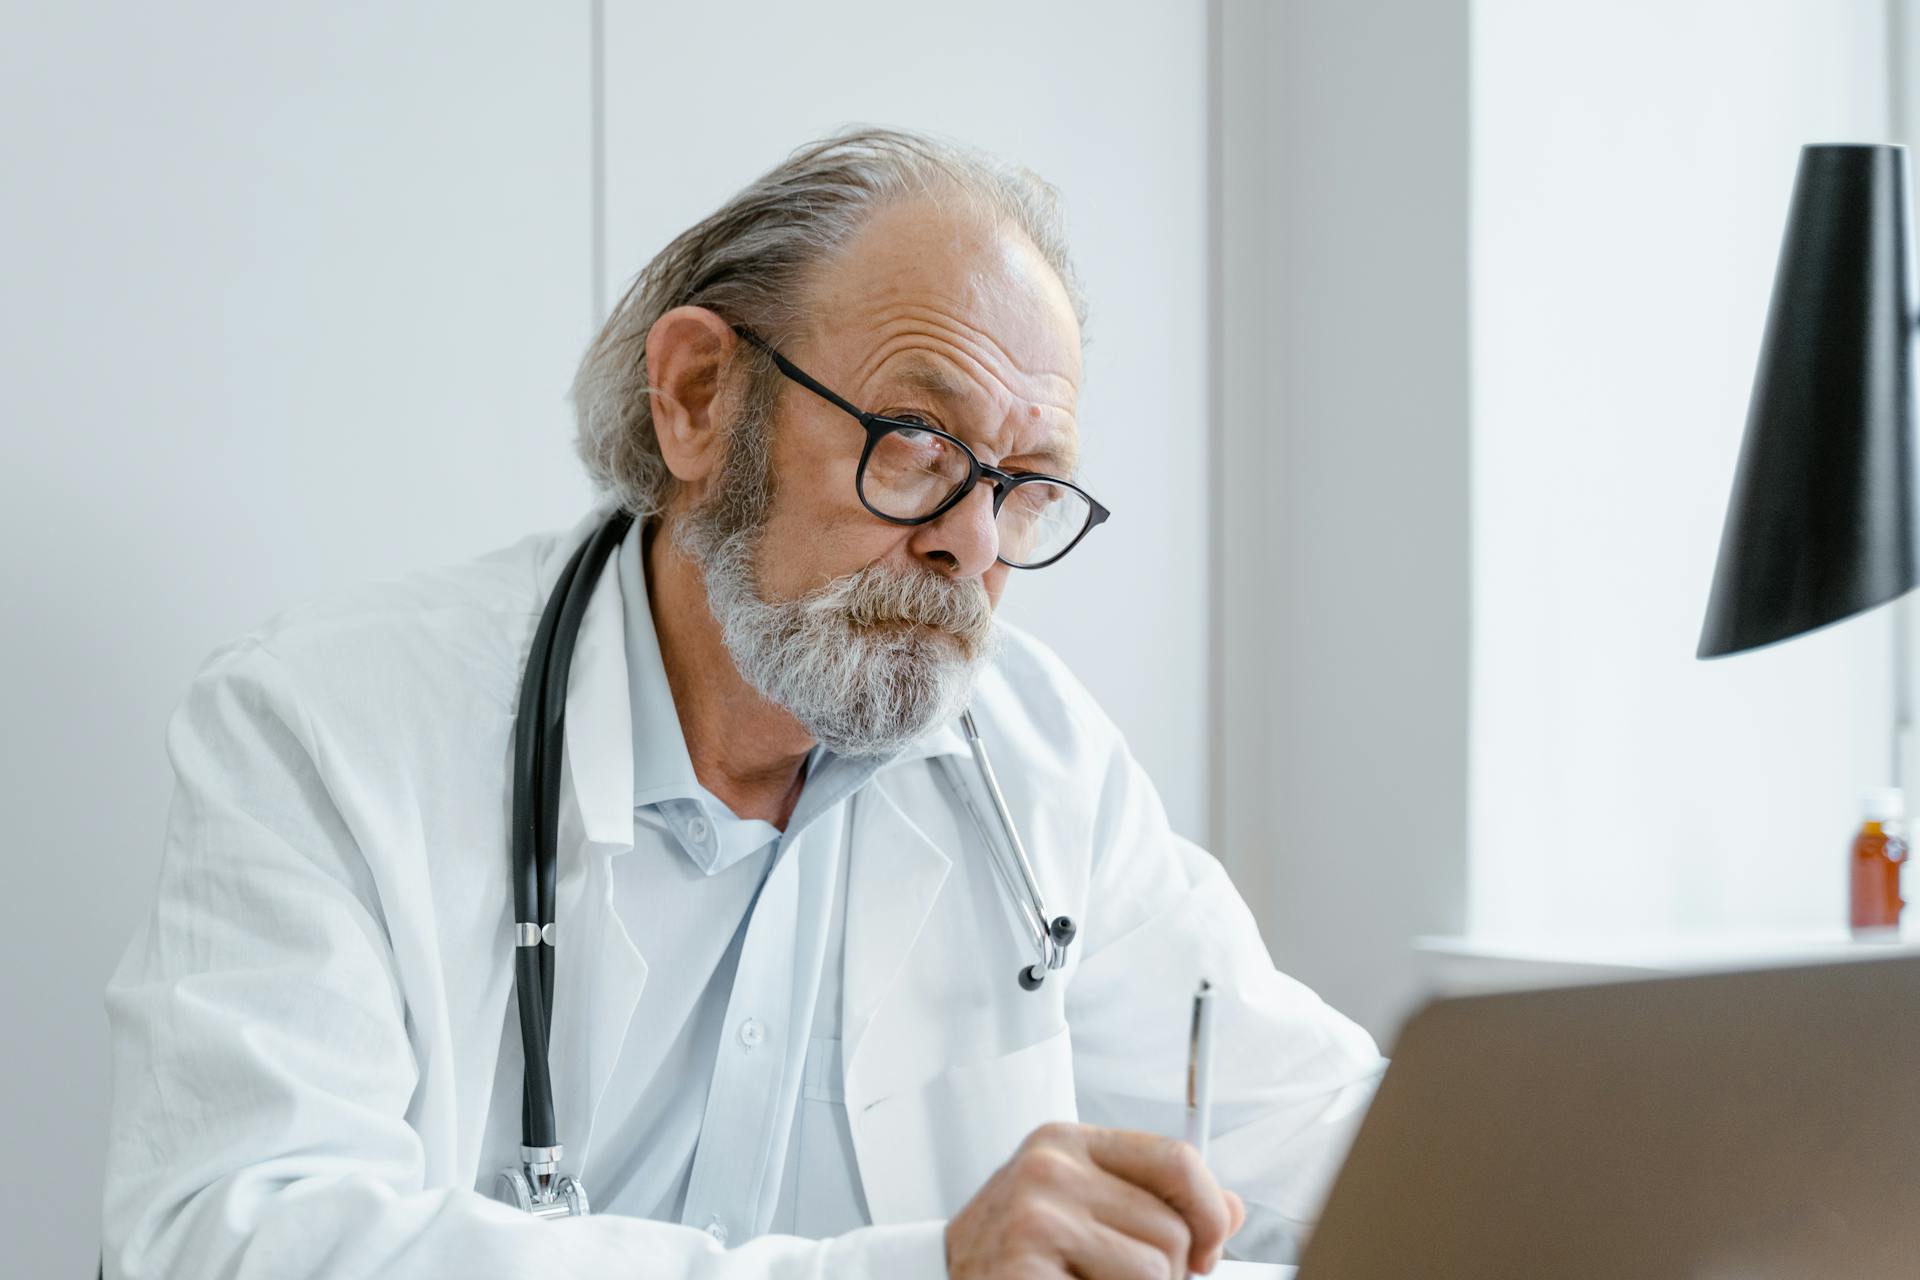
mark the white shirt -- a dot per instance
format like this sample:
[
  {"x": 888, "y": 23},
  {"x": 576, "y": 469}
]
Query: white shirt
[{"x": 730, "y": 1071}]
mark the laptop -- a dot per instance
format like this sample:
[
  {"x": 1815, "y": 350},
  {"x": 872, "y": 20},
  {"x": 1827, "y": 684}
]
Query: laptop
[{"x": 1756, "y": 1125}]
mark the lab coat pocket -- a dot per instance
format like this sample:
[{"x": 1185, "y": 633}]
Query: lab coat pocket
[
  {"x": 924, "y": 1152},
  {"x": 826, "y": 1195}
]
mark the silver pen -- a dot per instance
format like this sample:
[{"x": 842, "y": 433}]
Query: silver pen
[{"x": 1200, "y": 1069}]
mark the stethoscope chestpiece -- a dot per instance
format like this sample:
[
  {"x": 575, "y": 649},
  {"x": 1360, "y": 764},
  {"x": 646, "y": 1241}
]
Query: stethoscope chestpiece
[{"x": 537, "y": 1187}]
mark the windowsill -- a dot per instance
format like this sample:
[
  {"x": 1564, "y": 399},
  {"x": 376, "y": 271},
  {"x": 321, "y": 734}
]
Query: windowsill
[{"x": 1457, "y": 965}]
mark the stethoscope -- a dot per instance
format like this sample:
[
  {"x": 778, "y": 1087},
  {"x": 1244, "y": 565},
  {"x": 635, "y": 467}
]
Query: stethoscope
[{"x": 537, "y": 1185}]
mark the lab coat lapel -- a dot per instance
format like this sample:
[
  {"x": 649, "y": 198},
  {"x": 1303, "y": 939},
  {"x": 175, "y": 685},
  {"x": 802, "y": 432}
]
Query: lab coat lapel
[
  {"x": 894, "y": 874},
  {"x": 600, "y": 971},
  {"x": 944, "y": 1077},
  {"x": 599, "y": 737}
]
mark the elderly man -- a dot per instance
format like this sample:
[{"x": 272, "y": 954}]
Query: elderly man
[{"x": 786, "y": 1034}]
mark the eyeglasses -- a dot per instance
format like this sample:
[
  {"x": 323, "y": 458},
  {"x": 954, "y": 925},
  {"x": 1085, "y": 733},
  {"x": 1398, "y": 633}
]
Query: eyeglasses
[{"x": 911, "y": 473}]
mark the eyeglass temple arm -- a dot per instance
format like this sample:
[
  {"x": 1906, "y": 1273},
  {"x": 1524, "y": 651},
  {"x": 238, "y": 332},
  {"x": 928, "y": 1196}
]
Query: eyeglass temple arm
[{"x": 794, "y": 371}]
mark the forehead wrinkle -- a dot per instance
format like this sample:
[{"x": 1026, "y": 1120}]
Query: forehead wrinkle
[
  {"x": 932, "y": 368},
  {"x": 922, "y": 321}
]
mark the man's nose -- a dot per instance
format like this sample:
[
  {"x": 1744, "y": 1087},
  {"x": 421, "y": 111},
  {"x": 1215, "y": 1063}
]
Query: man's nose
[{"x": 963, "y": 542}]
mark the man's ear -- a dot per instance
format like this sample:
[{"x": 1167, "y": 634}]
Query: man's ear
[{"x": 687, "y": 349}]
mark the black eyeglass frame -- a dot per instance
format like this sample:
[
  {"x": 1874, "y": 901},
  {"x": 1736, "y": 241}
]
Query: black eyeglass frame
[{"x": 876, "y": 426}]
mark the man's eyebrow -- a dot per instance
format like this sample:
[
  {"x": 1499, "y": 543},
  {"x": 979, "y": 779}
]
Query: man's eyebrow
[
  {"x": 1056, "y": 461},
  {"x": 934, "y": 380}
]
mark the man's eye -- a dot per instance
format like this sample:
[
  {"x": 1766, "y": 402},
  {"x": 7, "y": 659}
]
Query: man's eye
[{"x": 922, "y": 439}]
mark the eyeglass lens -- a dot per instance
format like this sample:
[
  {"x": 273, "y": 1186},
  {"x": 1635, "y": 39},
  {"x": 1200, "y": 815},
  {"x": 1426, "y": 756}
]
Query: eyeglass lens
[{"x": 910, "y": 473}]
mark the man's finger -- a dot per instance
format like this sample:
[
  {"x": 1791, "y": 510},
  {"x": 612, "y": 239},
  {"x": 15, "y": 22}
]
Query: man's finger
[
  {"x": 1171, "y": 1170},
  {"x": 1114, "y": 1255},
  {"x": 1135, "y": 1211},
  {"x": 1238, "y": 1208}
]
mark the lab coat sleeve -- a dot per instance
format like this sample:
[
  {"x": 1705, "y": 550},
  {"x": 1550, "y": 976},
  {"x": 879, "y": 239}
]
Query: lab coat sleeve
[
  {"x": 263, "y": 1067},
  {"x": 1292, "y": 1077}
]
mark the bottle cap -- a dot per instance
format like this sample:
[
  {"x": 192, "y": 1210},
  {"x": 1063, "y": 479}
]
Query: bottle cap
[{"x": 1884, "y": 804}]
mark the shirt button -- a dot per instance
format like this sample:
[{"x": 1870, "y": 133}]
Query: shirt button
[
  {"x": 718, "y": 1230},
  {"x": 697, "y": 830},
  {"x": 751, "y": 1033}
]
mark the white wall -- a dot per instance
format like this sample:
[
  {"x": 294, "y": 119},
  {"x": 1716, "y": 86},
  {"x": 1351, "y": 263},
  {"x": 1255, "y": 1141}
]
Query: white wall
[
  {"x": 1342, "y": 603},
  {"x": 1631, "y": 167},
  {"x": 1560, "y": 275},
  {"x": 293, "y": 293},
  {"x": 293, "y": 297},
  {"x": 1112, "y": 111}
]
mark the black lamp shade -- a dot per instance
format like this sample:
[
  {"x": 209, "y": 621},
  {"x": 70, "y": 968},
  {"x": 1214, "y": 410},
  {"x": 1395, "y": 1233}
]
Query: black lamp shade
[{"x": 1821, "y": 522}]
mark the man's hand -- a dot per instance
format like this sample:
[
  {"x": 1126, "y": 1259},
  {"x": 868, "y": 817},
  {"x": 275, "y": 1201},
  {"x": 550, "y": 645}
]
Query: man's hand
[{"x": 1104, "y": 1204}]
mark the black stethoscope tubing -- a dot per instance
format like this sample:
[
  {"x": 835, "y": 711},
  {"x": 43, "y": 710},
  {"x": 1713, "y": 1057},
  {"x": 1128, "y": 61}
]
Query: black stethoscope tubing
[{"x": 539, "y": 747}]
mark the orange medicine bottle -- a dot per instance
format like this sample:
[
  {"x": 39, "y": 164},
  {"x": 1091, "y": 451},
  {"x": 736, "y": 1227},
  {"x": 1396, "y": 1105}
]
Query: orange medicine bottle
[{"x": 1875, "y": 865}]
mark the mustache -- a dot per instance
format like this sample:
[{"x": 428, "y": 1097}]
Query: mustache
[{"x": 877, "y": 595}]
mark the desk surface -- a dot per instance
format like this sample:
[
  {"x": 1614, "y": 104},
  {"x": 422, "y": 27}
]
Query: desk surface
[{"x": 1468, "y": 966}]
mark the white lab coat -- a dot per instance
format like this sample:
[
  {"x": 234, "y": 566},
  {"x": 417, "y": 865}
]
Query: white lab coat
[{"x": 316, "y": 1064}]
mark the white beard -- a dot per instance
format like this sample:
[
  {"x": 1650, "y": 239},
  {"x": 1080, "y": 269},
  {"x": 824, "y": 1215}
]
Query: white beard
[{"x": 867, "y": 663}]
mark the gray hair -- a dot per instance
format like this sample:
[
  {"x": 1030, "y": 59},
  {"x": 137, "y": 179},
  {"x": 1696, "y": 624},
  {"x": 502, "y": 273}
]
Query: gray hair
[{"x": 753, "y": 261}]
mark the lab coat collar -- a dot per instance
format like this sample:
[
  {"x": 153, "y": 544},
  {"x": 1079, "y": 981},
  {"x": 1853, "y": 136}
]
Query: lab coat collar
[
  {"x": 599, "y": 731},
  {"x": 894, "y": 873}
]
